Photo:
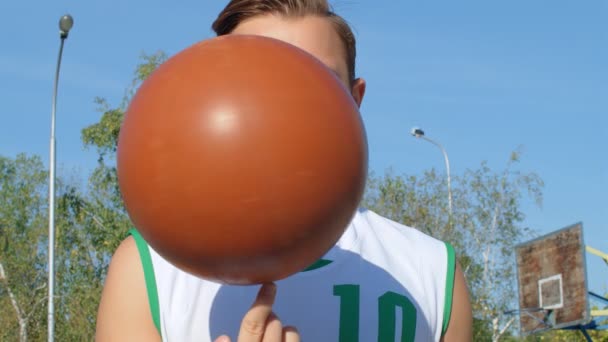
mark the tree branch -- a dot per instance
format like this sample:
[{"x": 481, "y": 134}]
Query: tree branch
[
  {"x": 504, "y": 329},
  {"x": 22, "y": 320}
]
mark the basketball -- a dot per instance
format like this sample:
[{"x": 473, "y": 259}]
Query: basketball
[{"x": 242, "y": 159}]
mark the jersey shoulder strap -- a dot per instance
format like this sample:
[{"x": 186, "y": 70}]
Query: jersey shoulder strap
[
  {"x": 146, "y": 261},
  {"x": 449, "y": 287}
]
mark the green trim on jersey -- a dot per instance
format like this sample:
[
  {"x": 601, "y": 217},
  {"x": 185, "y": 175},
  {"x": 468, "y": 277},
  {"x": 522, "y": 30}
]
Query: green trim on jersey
[
  {"x": 146, "y": 261},
  {"x": 318, "y": 264},
  {"x": 449, "y": 288}
]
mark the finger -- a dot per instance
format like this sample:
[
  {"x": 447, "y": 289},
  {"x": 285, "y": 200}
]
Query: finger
[
  {"x": 274, "y": 329},
  {"x": 223, "y": 338},
  {"x": 254, "y": 322},
  {"x": 290, "y": 334}
]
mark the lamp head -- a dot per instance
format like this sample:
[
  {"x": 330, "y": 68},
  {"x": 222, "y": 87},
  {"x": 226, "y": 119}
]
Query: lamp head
[
  {"x": 65, "y": 24},
  {"x": 417, "y": 132}
]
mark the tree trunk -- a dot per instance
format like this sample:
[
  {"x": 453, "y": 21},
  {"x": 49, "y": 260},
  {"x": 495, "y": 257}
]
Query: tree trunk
[
  {"x": 496, "y": 335},
  {"x": 20, "y": 316}
]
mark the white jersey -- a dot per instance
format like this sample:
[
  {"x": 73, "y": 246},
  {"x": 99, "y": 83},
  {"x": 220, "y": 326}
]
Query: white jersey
[{"x": 382, "y": 281}]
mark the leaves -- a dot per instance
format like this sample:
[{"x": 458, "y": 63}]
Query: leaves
[
  {"x": 90, "y": 223},
  {"x": 104, "y": 134},
  {"x": 22, "y": 228}
]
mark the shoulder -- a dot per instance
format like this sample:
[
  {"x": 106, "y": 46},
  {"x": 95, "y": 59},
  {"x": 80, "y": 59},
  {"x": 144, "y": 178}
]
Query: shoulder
[
  {"x": 390, "y": 232},
  {"x": 458, "y": 324},
  {"x": 124, "y": 313},
  {"x": 408, "y": 254},
  {"x": 433, "y": 260}
]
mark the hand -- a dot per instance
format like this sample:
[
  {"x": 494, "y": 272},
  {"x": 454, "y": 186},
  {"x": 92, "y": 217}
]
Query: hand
[{"x": 260, "y": 324}]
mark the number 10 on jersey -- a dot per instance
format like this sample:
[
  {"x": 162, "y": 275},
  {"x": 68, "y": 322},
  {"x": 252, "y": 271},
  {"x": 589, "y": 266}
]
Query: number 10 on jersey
[{"x": 388, "y": 304}]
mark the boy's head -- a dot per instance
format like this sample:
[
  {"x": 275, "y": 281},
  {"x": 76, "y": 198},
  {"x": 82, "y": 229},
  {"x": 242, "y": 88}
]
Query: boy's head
[{"x": 308, "y": 24}]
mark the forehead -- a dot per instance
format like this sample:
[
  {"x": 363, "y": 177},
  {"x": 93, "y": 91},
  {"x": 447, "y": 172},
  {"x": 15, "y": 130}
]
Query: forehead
[{"x": 316, "y": 35}]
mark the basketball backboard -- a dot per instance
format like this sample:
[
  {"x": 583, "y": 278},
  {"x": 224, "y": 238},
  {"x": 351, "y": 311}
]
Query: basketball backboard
[{"x": 552, "y": 281}]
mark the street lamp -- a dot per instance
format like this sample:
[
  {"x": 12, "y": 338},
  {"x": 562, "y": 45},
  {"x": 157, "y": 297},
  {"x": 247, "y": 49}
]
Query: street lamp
[
  {"x": 419, "y": 133},
  {"x": 65, "y": 24}
]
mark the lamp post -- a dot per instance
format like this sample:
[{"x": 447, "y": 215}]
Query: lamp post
[
  {"x": 65, "y": 24},
  {"x": 419, "y": 133}
]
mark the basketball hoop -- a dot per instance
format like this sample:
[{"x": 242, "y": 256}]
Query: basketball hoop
[{"x": 552, "y": 281}]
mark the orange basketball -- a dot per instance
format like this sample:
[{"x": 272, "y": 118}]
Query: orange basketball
[{"x": 242, "y": 159}]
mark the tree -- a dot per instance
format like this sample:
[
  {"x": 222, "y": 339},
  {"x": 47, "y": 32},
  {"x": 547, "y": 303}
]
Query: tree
[
  {"x": 24, "y": 256},
  {"x": 89, "y": 228},
  {"x": 22, "y": 241},
  {"x": 92, "y": 225},
  {"x": 104, "y": 208},
  {"x": 486, "y": 224}
]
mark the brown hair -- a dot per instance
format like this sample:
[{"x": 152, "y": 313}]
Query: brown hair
[{"x": 238, "y": 11}]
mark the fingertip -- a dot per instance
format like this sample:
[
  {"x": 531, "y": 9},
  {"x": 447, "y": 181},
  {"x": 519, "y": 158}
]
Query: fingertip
[
  {"x": 273, "y": 317},
  {"x": 274, "y": 328},
  {"x": 267, "y": 293},
  {"x": 291, "y": 334},
  {"x": 292, "y": 330},
  {"x": 269, "y": 289},
  {"x": 223, "y": 338}
]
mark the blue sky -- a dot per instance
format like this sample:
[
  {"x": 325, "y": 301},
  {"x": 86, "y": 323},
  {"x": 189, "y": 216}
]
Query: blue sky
[{"x": 480, "y": 77}]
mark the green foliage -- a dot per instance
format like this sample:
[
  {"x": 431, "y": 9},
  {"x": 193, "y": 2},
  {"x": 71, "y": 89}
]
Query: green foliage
[
  {"x": 103, "y": 135},
  {"x": 90, "y": 223},
  {"x": 106, "y": 217},
  {"x": 23, "y": 256},
  {"x": 418, "y": 201},
  {"x": 147, "y": 65},
  {"x": 482, "y": 330},
  {"x": 93, "y": 225},
  {"x": 22, "y": 236},
  {"x": 566, "y": 336}
]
